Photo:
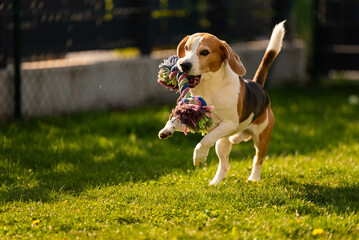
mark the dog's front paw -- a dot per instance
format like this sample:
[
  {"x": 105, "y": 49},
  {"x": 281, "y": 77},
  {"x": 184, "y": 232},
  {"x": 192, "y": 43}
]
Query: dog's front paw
[
  {"x": 165, "y": 133},
  {"x": 200, "y": 154}
]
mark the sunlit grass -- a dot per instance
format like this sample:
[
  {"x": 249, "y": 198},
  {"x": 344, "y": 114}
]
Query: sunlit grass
[{"x": 108, "y": 176}]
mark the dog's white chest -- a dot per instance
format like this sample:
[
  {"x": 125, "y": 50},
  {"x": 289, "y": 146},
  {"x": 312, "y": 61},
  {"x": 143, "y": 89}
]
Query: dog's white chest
[{"x": 222, "y": 94}]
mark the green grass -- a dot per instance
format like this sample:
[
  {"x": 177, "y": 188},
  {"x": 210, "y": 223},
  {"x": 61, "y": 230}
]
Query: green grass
[{"x": 107, "y": 176}]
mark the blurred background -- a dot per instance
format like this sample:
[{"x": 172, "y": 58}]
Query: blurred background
[{"x": 67, "y": 56}]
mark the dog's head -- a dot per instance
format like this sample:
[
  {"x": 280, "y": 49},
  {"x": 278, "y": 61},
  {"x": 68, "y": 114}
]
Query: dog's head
[{"x": 201, "y": 53}]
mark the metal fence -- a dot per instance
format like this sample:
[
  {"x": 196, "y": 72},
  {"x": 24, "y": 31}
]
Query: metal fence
[
  {"x": 45, "y": 29},
  {"x": 51, "y": 28},
  {"x": 33, "y": 30},
  {"x": 336, "y": 35}
]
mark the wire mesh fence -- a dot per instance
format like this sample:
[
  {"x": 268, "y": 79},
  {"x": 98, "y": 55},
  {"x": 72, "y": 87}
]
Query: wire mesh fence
[
  {"x": 56, "y": 80},
  {"x": 78, "y": 85},
  {"x": 6, "y": 94}
]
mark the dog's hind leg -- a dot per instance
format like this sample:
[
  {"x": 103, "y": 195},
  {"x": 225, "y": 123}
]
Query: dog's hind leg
[
  {"x": 223, "y": 148},
  {"x": 245, "y": 135},
  {"x": 261, "y": 134}
]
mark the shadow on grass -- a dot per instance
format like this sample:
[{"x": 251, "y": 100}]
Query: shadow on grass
[
  {"x": 326, "y": 198},
  {"x": 340, "y": 199},
  {"x": 73, "y": 153},
  {"x": 312, "y": 119}
]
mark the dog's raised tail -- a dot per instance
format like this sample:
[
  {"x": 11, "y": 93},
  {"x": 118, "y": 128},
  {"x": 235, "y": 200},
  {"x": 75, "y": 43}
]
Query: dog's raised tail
[{"x": 274, "y": 47}]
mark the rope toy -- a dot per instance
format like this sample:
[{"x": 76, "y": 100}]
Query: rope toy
[{"x": 192, "y": 111}]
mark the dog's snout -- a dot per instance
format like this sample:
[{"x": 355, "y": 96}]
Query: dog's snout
[{"x": 186, "y": 66}]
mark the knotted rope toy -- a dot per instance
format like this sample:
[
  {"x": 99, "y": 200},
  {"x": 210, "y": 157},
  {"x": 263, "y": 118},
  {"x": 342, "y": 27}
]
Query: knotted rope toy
[{"x": 192, "y": 111}]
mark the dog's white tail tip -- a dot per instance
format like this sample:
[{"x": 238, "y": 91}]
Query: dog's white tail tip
[{"x": 276, "y": 39}]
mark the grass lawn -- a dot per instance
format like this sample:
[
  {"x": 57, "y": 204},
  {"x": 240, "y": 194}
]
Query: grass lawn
[{"x": 107, "y": 176}]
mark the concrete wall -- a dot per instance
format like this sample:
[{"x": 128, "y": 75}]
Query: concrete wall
[
  {"x": 119, "y": 83},
  {"x": 289, "y": 66}
]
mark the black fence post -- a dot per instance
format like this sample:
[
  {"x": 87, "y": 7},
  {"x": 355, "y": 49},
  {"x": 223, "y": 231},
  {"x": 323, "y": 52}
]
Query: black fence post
[
  {"x": 17, "y": 60},
  {"x": 314, "y": 66},
  {"x": 145, "y": 43}
]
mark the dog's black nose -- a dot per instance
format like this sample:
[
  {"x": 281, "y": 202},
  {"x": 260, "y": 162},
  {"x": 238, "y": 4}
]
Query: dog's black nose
[{"x": 186, "y": 66}]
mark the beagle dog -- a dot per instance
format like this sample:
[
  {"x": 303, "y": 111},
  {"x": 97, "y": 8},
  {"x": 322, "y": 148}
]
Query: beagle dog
[{"x": 242, "y": 108}]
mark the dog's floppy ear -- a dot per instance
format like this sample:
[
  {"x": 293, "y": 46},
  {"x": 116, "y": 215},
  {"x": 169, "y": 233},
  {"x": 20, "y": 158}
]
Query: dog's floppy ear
[
  {"x": 180, "y": 47},
  {"x": 233, "y": 59}
]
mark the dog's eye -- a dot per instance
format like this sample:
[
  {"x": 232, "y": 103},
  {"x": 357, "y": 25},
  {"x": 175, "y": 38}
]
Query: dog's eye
[
  {"x": 185, "y": 48},
  {"x": 204, "y": 53}
]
